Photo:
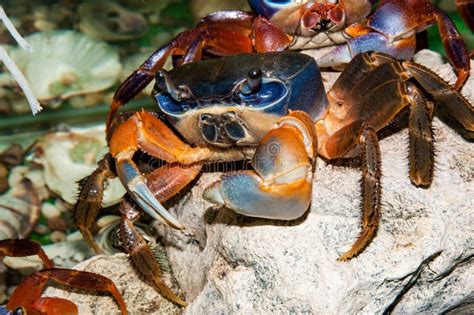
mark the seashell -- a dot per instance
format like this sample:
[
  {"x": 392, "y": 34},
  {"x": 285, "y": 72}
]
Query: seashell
[
  {"x": 19, "y": 210},
  {"x": 67, "y": 157},
  {"x": 110, "y": 21},
  {"x": 67, "y": 63}
]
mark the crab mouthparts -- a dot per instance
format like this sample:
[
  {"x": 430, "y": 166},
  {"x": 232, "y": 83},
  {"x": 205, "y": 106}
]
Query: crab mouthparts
[{"x": 225, "y": 130}]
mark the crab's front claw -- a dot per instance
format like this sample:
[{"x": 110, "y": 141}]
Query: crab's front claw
[
  {"x": 280, "y": 185},
  {"x": 135, "y": 183}
]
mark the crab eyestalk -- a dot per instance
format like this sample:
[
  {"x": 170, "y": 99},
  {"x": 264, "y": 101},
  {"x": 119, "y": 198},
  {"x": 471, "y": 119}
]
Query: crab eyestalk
[{"x": 253, "y": 82}]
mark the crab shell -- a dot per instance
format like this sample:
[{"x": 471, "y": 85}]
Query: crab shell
[{"x": 222, "y": 115}]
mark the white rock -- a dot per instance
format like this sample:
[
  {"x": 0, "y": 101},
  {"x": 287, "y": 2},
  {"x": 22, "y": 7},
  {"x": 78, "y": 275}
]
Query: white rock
[{"x": 49, "y": 210}]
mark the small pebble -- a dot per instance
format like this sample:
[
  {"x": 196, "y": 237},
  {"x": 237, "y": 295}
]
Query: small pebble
[
  {"x": 16, "y": 175},
  {"x": 49, "y": 211},
  {"x": 61, "y": 205},
  {"x": 74, "y": 236},
  {"x": 12, "y": 156},
  {"x": 37, "y": 177},
  {"x": 3, "y": 178},
  {"x": 42, "y": 229},
  {"x": 79, "y": 257},
  {"x": 57, "y": 224},
  {"x": 58, "y": 261},
  {"x": 57, "y": 236}
]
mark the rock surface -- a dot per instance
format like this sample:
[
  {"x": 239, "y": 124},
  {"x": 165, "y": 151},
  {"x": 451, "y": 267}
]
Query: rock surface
[{"x": 421, "y": 260}]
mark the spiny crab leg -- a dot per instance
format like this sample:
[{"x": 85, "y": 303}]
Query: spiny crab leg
[
  {"x": 89, "y": 201},
  {"x": 140, "y": 254},
  {"x": 280, "y": 185}
]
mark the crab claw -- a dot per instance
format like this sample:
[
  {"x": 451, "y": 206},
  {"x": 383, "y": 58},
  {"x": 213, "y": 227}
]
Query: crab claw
[
  {"x": 136, "y": 186},
  {"x": 280, "y": 185}
]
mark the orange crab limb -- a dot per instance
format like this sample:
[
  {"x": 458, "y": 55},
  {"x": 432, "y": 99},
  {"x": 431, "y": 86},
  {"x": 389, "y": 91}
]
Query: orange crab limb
[
  {"x": 140, "y": 254},
  {"x": 22, "y": 248},
  {"x": 144, "y": 131},
  {"x": 31, "y": 288}
]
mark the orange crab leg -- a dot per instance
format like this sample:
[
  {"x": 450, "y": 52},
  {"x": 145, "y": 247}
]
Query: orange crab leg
[
  {"x": 22, "y": 248},
  {"x": 31, "y": 288},
  {"x": 269, "y": 38},
  {"x": 144, "y": 131}
]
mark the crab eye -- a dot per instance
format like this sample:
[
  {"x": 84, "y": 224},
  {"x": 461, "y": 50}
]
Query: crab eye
[
  {"x": 267, "y": 8},
  {"x": 253, "y": 82},
  {"x": 270, "y": 91}
]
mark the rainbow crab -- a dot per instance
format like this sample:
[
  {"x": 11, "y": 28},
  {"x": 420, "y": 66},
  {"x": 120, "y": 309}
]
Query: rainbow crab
[
  {"x": 26, "y": 299},
  {"x": 272, "y": 110}
]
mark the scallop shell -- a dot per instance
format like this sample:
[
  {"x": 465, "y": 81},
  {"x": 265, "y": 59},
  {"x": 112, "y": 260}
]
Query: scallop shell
[
  {"x": 67, "y": 63},
  {"x": 110, "y": 21},
  {"x": 19, "y": 210}
]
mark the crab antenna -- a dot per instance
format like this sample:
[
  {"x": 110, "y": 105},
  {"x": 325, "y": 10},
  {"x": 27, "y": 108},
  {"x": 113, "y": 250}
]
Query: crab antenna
[{"x": 253, "y": 82}]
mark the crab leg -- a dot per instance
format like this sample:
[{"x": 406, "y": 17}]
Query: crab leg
[
  {"x": 22, "y": 248},
  {"x": 140, "y": 254},
  {"x": 371, "y": 192},
  {"x": 398, "y": 39},
  {"x": 443, "y": 94},
  {"x": 343, "y": 54},
  {"x": 89, "y": 200},
  {"x": 29, "y": 291},
  {"x": 280, "y": 185},
  {"x": 420, "y": 132}
]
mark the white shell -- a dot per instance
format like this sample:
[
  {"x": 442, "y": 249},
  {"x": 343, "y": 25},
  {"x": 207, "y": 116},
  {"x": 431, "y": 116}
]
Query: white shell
[
  {"x": 67, "y": 63},
  {"x": 67, "y": 157}
]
